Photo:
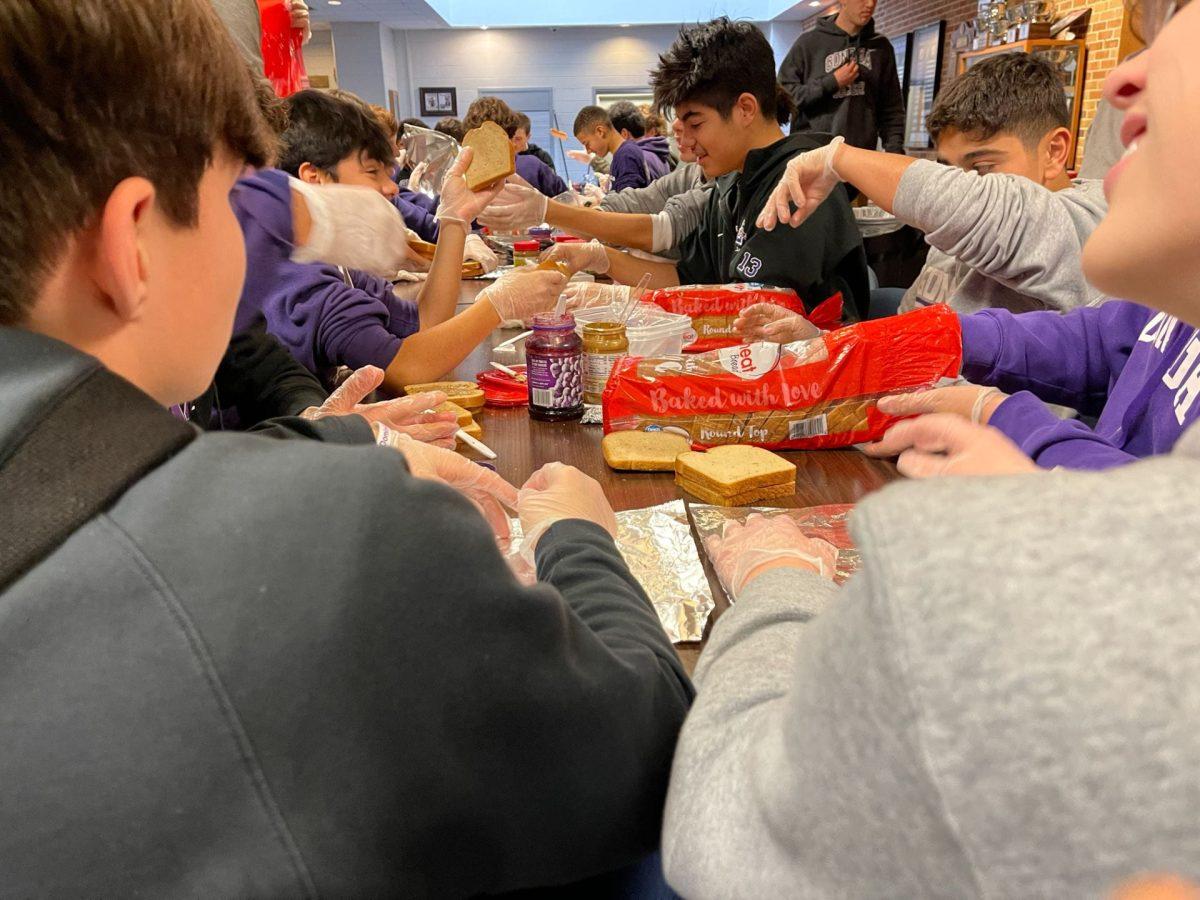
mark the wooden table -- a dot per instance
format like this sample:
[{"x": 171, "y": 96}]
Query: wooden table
[{"x": 524, "y": 445}]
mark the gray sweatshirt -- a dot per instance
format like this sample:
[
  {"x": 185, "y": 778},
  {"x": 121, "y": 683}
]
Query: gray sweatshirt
[
  {"x": 966, "y": 717},
  {"x": 241, "y": 18},
  {"x": 998, "y": 240},
  {"x": 676, "y": 202}
]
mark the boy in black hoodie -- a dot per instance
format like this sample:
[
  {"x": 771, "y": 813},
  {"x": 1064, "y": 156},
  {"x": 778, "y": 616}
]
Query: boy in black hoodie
[
  {"x": 720, "y": 80},
  {"x": 842, "y": 76}
]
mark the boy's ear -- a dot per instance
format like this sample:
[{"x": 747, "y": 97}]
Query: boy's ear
[
  {"x": 745, "y": 109},
  {"x": 121, "y": 266},
  {"x": 310, "y": 174},
  {"x": 1056, "y": 151}
]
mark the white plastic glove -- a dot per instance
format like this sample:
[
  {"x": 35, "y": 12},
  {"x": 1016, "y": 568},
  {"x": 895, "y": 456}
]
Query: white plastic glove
[
  {"x": 487, "y": 490},
  {"x": 586, "y": 294},
  {"x": 593, "y": 194},
  {"x": 807, "y": 181},
  {"x": 405, "y": 415},
  {"x": 353, "y": 227},
  {"x": 946, "y": 444},
  {"x": 522, "y": 295},
  {"x": 457, "y": 202},
  {"x": 589, "y": 256},
  {"x": 300, "y": 18},
  {"x": 770, "y": 322},
  {"x": 518, "y": 207},
  {"x": 401, "y": 156},
  {"x": 477, "y": 249},
  {"x": 743, "y": 551},
  {"x": 581, "y": 156},
  {"x": 556, "y": 492},
  {"x": 968, "y": 401}
]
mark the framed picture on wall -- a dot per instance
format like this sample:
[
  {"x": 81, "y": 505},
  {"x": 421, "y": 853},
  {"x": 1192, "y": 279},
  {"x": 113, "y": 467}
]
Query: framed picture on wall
[
  {"x": 900, "y": 47},
  {"x": 924, "y": 79},
  {"x": 438, "y": 101}
]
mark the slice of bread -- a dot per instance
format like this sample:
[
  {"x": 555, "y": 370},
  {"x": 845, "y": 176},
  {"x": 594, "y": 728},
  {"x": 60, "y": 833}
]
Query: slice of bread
[
  {"x": 555, "y": 265},
  {"x": 747, "y": 498},
  {"x": 423, "y": 249},
  {"x": 734, "y": 469},
  {"x": 475, "y": 430},
  {"x": 495, "y": 158},
  {"x": 465, "y": 393},
  {"x": 464, "y": 415},
  {"x": 643, "y": 451}
]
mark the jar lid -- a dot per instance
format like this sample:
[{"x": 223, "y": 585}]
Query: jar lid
[
  {"x": 552, "y": 321},
  {"x": 567, "y": 239},
  {"x": 526, "y": 246},
  {"x": 604, "y": 328}
]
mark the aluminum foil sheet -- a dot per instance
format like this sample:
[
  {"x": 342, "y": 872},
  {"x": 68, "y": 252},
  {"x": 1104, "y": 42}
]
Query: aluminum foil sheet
[
  {"x": 658, "y": 546},
  {"x": 826, "y": 522}
]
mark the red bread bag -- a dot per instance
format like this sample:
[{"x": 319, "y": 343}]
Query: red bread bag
[
  {"x": 807, "y": 395},
  {"x": 713, "y": 308}
]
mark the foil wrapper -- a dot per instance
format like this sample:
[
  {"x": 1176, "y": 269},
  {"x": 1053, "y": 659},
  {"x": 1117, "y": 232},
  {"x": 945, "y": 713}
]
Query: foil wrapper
[
  {"x": 830, "y": 523},
  {"x": 660, "y": 551},
  {"x": 593, "y": 414}
]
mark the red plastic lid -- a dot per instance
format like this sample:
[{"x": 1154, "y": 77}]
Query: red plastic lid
[
  {"x": 567, "y": 239},
  {"x": 525, "y": 246},
  {"x": 501, "y": 389}
]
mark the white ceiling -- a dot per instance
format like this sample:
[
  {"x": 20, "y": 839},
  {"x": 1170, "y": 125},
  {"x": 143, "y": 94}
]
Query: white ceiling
[{"x": 417, "y": 14}]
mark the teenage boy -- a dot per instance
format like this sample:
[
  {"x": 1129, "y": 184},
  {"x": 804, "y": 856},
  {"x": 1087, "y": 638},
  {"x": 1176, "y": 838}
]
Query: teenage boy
[
  {"x": 329, "y": 317},
  {"x": 532, "y": 169},
  {"x": 628, "y": 121},
  {"x": 720, "y": 80},
  {"x": 258, "y": 671},
  {"x": 842, "y": 76},
  {"x": 629, "y": 167},
  {"x": 520, "y": 141}
]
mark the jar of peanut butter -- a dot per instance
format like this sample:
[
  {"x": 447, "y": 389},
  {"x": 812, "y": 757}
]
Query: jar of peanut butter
[{"x": 603, "y": 344}]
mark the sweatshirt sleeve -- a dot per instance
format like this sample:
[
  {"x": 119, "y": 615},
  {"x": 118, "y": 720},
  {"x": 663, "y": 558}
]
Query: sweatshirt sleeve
[
  {"x": 419, "y": 219},
  {"x": 889, "y": 105},
  {"x": 627, "y": 169},
  {"x": 1002, "y": 226},
  {"x": 403, "y": 315},
  {"x": 806, "y": 91},
  {"x": 1050, "y": 441},
  {"x": 800, "y": 749},
  {"x": 684, "y": 212},
  {"x": 1070, "y": 359},
  {"x": 349, "y": 326},
  {"x": 649, "y": 200}
]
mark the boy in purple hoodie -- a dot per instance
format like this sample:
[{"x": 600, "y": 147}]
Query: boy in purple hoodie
[
  {"x": 630, "y": 123},
  {"x": 630, "y": 167},
  {"x": 329, "y": 317}
]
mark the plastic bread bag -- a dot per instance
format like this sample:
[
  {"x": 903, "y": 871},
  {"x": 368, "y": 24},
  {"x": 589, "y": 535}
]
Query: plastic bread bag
[
  {"x": 809, "y": 395},
  {"x": 829, "y": 523},
  {"x": 714, "y": 307},
  {"x": 431, "y": 154},
  {"x": 282, "y": 48}
]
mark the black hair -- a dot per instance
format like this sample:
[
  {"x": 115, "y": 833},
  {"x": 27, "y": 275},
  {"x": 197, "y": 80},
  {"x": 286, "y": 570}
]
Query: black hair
[
  {"x": 627, "y": 117},
  {"x": 714, "y": 64},
  {"x": 1018, "y": 93},
  {"x": 523, "y": 122},
  {"x": 451, "y": 126},
  {"x": 590, "y": 117},
  {"x": 324, "y": 130}
]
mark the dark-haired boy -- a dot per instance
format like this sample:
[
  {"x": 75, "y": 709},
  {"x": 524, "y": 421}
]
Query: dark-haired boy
[
  {"x": 254, "y": 667},
  {"x": 630, "y": 167},
  {"x": 329, "y": 317},
  {"x": 720, "y": 80},
  {"x": 629, "y": 122},
  {"x": 521, "y": 143}
]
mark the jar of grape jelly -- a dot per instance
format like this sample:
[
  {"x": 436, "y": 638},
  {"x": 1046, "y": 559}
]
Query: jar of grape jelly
[{"x": 554, "y": 369}]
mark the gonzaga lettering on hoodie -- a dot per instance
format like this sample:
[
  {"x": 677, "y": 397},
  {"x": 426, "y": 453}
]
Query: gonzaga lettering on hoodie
[
  {"x": 325, "y": 317},
  {"x": 1136, "y": 369},
  {"x": 864, "y": 112},
  {"x": 822, "y": 256}
]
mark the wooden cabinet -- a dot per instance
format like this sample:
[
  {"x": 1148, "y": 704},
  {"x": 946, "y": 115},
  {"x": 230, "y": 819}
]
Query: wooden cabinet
[{"x": 1068, "y": 57}]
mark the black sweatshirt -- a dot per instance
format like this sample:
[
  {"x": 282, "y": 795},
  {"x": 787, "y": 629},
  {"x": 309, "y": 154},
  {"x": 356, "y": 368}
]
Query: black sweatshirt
[
  {"x": 821, "y": 257},
  {"x": 537, "y": 152},
  {"x": 289, "y": 668},
  {"x": 865, "y": 111}
]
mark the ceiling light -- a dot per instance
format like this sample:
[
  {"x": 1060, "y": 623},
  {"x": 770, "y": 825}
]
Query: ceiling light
[
  {"x": 483, "y": 28},
  {"x": 625, "y": 26},
  {"x": 815, "y": 3},
  {"x": 335, "y": 2}
]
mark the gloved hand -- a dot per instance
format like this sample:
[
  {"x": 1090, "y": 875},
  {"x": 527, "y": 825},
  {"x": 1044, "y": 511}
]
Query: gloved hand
[
  {"x": 970, "y": 401},
  {"x": 807, "y": 180},
  {"x": 416, "y": 174},
  {"x": 742, "y": 552},
  {"x": 518, "y": 207},
  {"x": 770, "y": 322},
  {"x": 522, "y": 295},
  {"x": 581, "y": 156},
  {"x": 556, "y": 492},
  {"x": 589, "y": 255},
  {"x": 487, "y": 490},
  {"x": 300, "y": 19},
  {"x": 404, "y": 415},
  {"x": 351, "y": 226},
  {"x": 593, "y": 195},
  {"x": 477, "y": 249},
  {"x": 586, "y": 294},
  {"x": 401, "y": 156},
  {"x": 944, "y": 444},
  {"x": 457, "y": 202}
]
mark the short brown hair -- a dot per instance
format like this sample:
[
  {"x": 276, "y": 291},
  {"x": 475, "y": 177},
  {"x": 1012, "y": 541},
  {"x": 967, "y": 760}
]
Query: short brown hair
[
  {"x": 491, "y": 109},
  {"x": 451, "y": 126},
  {"x": 94, "y": 93},
  {"x": 1015, "y": 93},
  {"x": 389, "y": 122},
  {"x": 655, "y": 122}
]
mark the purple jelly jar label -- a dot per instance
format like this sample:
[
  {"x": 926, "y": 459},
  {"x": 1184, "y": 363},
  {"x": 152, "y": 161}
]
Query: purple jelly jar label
[{"x": 555, "y": 382}]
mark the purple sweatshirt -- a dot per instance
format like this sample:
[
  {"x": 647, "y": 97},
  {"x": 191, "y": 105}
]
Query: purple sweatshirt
[
  {"x": 323, "y": 321},
  {"x": 416, "y": 216},
  {"x": 1137, "y": 369},
  {"x": 630, "y": 167},
  {"x": 540, "y": 175},
  {"x": 658, "y": 155}
]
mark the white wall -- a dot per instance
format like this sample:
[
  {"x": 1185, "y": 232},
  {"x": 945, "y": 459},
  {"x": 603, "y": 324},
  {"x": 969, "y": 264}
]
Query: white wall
[{"x": 318, "y": 56}]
